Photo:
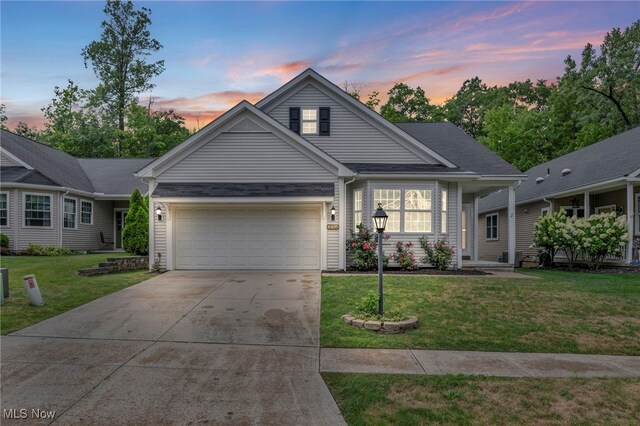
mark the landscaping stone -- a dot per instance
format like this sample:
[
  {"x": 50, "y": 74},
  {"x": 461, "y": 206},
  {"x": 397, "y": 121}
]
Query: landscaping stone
[
  {"x": 116, "y": 264},
  {"x": 347, "y": 319},
  {"x": 357, "y": 323},
  {"x": 373, "y": 325}
]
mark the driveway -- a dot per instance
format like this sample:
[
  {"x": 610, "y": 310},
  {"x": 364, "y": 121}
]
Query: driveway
[{"x": 184, "y": 347}]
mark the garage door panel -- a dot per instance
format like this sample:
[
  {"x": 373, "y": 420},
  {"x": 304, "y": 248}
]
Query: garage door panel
[{"x": 247, "y": 237}]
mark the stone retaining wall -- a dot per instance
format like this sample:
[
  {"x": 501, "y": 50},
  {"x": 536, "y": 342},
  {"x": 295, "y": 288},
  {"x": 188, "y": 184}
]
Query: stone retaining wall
[
  {"x": 117, "y": 264},
  {"x": 383, "y": 327}
]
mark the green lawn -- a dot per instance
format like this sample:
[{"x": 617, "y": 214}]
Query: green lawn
[
  {"x": 368, "y": 399},
  {"x": 61, "y": 288},
  {"x": 558, "y": 312}
]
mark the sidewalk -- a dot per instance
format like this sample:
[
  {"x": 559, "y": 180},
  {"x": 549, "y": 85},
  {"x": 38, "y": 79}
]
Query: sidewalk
[{"x": 508, "y": 364}]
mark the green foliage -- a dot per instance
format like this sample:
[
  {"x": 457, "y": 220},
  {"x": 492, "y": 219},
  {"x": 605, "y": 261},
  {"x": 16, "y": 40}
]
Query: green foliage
[
  {"x": 406, "y": 104},
  {"x": 367, "y": 307},
  {"x": 3, "y": 117},
  {"x": 118, "y": 58},
  {"x": 40, "y": 250},
  {"x": 4, "y": 241},
  {"x": 404, "y": 256},
  {"x": 604, "y": 237},
  {"x": 135, "y": 235},
  {"x": 362, "y": 248},
  {"x": 548, "y": 233},
  {"x": 439, "y": 254}
]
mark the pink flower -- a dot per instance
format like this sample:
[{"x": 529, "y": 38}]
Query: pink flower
[
  {"x": 353, "y": 244},
  {"x": 366, "y": 246}
]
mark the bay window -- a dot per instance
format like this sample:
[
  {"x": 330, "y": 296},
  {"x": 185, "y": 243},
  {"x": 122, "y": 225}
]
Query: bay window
[
  {"x": 357, "y": 208},
  {"x": 443, "y": 204},
  {"x": 409, "y": 210}
]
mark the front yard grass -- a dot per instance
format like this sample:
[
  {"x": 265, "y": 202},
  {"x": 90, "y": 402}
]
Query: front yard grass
[
  {"x": 376, "y": 399},
  {"x": 61, "y": 288},
  {"x": 558, "y": 312}
]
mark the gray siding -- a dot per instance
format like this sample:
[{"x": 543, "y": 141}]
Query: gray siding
[
  {"x": 6, "y": 161},
  {"x": 352, "y": 139},
  {"x": 247, "y": 157},
  {"x": 468, "y": 199},
  {"x": 526, "y": 217},
  {"x": 160, "y": 236},
  {"x": 10, "y": 229},
  {"x": 492, "y": 250},
  {"x": 42, "y": 236},
  {"x": 333, "y": 237},
  {"x": 452, "y": 214},
  {"x": 87, "y": 237}
]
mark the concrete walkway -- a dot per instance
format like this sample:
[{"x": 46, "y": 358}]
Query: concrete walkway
[{"x": 508, "y": 364}]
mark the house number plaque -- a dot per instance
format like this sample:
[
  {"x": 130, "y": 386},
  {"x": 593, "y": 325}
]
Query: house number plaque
[{"x": 333, "y": 226}]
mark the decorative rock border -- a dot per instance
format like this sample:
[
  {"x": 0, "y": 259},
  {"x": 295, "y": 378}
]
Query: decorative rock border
[{"x": 383, "y": 327}]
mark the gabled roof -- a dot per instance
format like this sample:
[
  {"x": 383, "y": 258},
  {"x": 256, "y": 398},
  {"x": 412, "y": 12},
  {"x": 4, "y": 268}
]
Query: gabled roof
[
  {"x": 458, "y": 147},
  {"x": 217, "y": 125},
  {"x": 114, "y": 175},
  {"x": 17, "y": 174},
  {"x": 356, "y": 105},
  {"x": 614, "y": 158}
]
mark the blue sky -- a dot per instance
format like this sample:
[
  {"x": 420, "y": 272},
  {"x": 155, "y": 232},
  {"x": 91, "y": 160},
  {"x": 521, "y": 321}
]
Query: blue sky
[{"x": 218, "y": 53}]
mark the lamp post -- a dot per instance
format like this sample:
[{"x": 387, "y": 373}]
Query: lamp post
[{"x": 380, "y": 222}]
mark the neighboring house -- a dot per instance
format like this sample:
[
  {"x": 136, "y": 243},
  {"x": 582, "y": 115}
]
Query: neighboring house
[
  {"x": 49, "y": 197},
  {"x": 256, "y": 187},
  {"x": 602, "y": 177}
]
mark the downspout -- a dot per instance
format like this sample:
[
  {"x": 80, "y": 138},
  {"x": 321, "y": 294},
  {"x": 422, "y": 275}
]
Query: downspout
[
  {"x": 354, "y": 177},
  {"x": 550, "y": 203},
  {"x": 61, "y": 217}
]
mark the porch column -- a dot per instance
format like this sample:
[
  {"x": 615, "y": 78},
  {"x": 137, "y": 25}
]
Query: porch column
[
  {"x": 511, "y": 215},
  {"x": 459, "y": 226},
  {"x": 342, "y": 223},
  {"x": 630, "y": 215},
  {"x": 476, "y": 218},
  {"x": 152, "y": 230},
  {"x": 587, "y": 204}
]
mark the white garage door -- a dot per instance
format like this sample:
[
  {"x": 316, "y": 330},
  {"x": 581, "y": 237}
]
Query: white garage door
[{"x": 246, "y": 237}]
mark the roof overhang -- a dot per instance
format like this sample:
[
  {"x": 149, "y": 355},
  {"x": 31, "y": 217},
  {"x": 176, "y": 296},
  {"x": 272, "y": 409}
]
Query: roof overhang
[
  {"x": 216, "y": 190},
  {"x": 79, "y": 192},
  {"x": 15, "y": 159}
]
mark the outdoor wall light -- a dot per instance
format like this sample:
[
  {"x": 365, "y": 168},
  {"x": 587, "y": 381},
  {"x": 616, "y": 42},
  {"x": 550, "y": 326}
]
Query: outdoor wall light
[
  {"x": 333, "y": 213},
  {"x": 619, "y": 210},
  {"x": 159, "y": 213}
]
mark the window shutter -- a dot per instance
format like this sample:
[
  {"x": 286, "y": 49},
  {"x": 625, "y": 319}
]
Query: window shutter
[
  {"x": 294, "y": 119},
  {"x": 325, "y": 114}
]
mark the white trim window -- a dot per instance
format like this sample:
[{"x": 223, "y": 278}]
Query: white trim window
[
  {"x": 605, "y": 209},
  {"x": 357, "y": 208},
  {"x": 37, "y": 210},
  {"x": 491, "y": 225},
  {"x": 4, "y": 209},
  {"x": 69, "y": 213},
  {"x": 544, "y": 211},
  {"x": 86, "y": 212},
  {"x": 443, "y": 207},
  {"x": 573, "y": 211},
  {"x": 309, "y": 121},
  {"x": 409, "y": 210}
]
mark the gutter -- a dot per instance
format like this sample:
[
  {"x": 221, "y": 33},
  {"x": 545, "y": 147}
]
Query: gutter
[
  {"x": 61, "y": 217},
  {"x": 94, "y": 195}
]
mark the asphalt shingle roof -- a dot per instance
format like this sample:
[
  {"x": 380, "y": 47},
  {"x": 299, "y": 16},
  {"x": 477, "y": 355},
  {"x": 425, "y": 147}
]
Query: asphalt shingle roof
[
  {"x": 114, "y": 175},
  {"x": 23, "y": 175},
  {"x": 612, "y": 158},
  {"x": 399, "y": 168},
  {"x": 461, "y": 149},
  {"x": 199, "y": 189}
]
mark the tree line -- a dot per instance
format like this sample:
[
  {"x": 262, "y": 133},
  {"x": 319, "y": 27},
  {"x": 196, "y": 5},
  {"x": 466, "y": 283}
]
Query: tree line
[{"x": 525, "y": 122}]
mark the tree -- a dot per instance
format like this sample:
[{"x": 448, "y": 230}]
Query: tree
[
  {"x": 135, "y": 235},
  {"x": 353, "y": 88},
  {"x": 614, "y": 75},
  {"x": 23, "y": 129},
  {"x": 151, "y": 134},
  {"x": 3, "y": 117},
  {"x": 409, "y": 105},
  {"x": 119, "y": 57},
  {"x": 373, "y": 100}
]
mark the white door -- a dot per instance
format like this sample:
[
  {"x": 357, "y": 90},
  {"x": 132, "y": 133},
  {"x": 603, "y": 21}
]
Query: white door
[{"x": 247, "y": 237}]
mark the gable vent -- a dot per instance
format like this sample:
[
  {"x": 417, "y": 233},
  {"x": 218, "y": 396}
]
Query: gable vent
[
  {"x": 566, "y": 172},
  {"x": 540, "y": 180}
]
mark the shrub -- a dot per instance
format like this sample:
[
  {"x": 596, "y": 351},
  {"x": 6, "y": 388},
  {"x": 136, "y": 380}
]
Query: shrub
[
  {"x": 604, "y": 236},
  {"x": 362, "y": 248},
  {"x": 547, "y": 234},
  {"x": 135, "y": 235},
  {"x": 367, "y": 309},
  {"x": 4, "y": 241},
  {"x": 404, "y": 256},
  {"x": 38, "y": 250},
  {"x": 439, "y": 254}
]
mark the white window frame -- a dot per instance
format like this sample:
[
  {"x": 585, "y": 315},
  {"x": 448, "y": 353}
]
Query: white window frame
[
  {"x": 91, "y": 214},
  {"x": 486, "y": 218},
  {"x": 6, "y": 194},
  {"x": 75, "y": 212},
  {"x": 606, "y": 209},
  {"x": 403, "y": 210},
  {"x": 303, "y": 121},
  {"x": 574, "y": 211},
  {"x": 355, "y": 208},
  {"x": 637, "y": 215},
  {"x": 545, "y": 211},
  {"x": 444, "y": 209},
  {"x": 24, "y": 210}
]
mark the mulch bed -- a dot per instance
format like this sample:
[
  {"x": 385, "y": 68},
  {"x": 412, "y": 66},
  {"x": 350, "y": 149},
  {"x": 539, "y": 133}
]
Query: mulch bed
[{"x": 421, "y": 271}]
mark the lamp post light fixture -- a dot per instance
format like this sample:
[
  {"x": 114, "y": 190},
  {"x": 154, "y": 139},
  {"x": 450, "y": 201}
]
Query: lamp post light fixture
[
  {"x": 333, "y": 213},
  {"x": 380, "y": 222},
  {"x": 159, "y": 213}
]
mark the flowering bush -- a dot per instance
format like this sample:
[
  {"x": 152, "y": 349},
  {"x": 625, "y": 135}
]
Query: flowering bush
[
  {"x": 404, "y": 256},
  {"x": 362, "y": 248},
  {"x": 438, "y": 254},
  {"x": 598, "y": 236}
]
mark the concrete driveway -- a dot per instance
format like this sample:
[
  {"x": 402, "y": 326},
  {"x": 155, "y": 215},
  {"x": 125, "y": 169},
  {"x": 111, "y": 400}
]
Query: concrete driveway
[{"x": 184, "y": 347}]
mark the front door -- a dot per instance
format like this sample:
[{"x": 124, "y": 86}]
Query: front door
[
  {"x": 120, "y": 220},
  {"x": 464, "y": 228}
]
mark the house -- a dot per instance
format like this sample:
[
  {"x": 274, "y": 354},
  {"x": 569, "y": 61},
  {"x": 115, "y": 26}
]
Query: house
[
  {"x": 282, "y": 184},
  {"x": 599, "y": 178},
  {"x": 49, "y": 197}
]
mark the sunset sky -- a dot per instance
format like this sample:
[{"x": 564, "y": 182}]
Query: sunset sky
[{"x": 218, "y": 53}]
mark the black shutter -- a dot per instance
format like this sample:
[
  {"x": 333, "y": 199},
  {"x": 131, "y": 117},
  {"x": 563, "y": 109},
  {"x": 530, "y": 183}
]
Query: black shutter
[
  {"x": 325, "y": 115},
  {"x": 294, "y": 119}
]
